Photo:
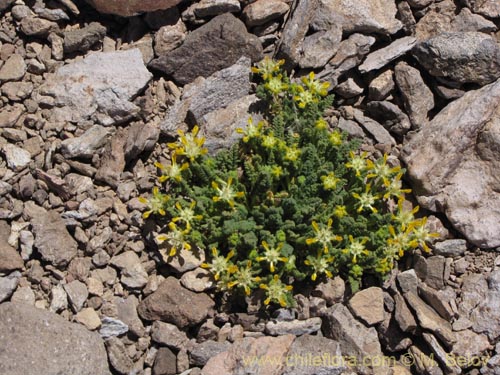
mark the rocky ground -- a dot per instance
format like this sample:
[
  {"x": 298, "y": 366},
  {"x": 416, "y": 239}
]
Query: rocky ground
[{"x": 88, "y": 100}]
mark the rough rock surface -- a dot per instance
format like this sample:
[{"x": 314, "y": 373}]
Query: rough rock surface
[
  {"x": 128, "y": 8},
  {"x": 210, "y": 48},
  {"x": 462, "y": 57},
  {"x": 99, "y": 87},
  {"x": 40, "y": 342},
  {"x": 454, "y": 165}
]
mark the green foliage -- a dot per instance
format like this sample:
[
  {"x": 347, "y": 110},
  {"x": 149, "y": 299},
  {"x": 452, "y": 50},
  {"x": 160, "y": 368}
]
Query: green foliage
[{"x": 292, "y": 200}]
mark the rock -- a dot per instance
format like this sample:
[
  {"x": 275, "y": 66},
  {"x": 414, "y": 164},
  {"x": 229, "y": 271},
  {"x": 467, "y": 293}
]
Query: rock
[
  {"x": 403, "y": 315},
  {"x": 417, "y": 97},
  {"x": 210, "y": 8},
  {"x": 111, "y": 327},
  {"x": 383, "y": 56},
  {"x": 81, "y": 40},
  {"x": 307, "y": 346},
  {"x": 261, "y": 12},
  {"x": 86, "y": 145},
  {"x": 13, "y": 69},
  {"x": 202, "y": 352},
  {"x": 59, "y": 298},
  {"x": 470, "y": 344},
  {"x": 37, "y": 27},
  {"x": 184, "y": 260},
  {"x": 133, "y": 274},
  {"x": 52, "y": 14},
  {"x": 174, "y": 304},
  {"x": 52, "y": 239},
  {"x": 376, "y": 130},
  {"x": 10, "y": 260},
  {"x": 113, "y": 159},
  {"x": 214, "y": 46},
  {"x": 390, "y": 116},
  {"x": 423, "y": 363},
  {"x": 231, "y": 361},
  {"x": 367, "y": 16},
  {"x": 354, "y": 338},
  {"x": 169, "y": 38},
  {"x": 487, "y": 8},
  {"x": 17, "y": 91},
  {"x": 453, "y": 165},
  {"x": 10, "y": 114},
  {"x": 430, "y": 320},
  {"x": 350, "y": 88},
  {"x": 30, "y": 342},
  {"x": 332, "y": 290},
  {"x": 381, "y": 86},
  {"x": 140, "y": 138},
  {"x": 435, "y": 272},
  {"x": 450, "y": 248},
  {"x": 89, "y": 318},
  {"x": 468, "y": 57},
  {"x": 77, "y": 294},
  {"x": 294, "y": 327},
  {"x": 169, "y": 335},
  {"x": 468, "y": 21},
  {"x": 197, "y": 280},
  {"x": 165, "y": 362},
  {"x": 118, "y": 357},
  {"x": 8, "y": 285},
  {"x": 436, "y": 21},
  {"x": 24, "y": 294},
  {"x": 439, "y": 300},
  {"x": 204, "y": 96},
  {"x": 100, "y": 87},
  {"x": 127, "y": 8},
  {"x": 17, "y": 158},
  {"x": 368, "y": 305},
  {"x": 127, "y": 313},
  {"x": 5, "y": 4},
  {"x": 441, "y": 354}
]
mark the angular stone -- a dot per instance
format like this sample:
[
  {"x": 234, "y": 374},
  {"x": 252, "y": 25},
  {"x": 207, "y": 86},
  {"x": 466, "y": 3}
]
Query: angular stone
[
  {"x": 169, "y": 37},
  {"x": 17, "y": 91},
  {"x": 430, "y": 320},
  {"x": 118, "y": 357},
  {"x": 381, "y": 86},
  {"x": 417, "y": 97},
  {"x": 202, "y": 352},
  {"x": 133, "y": 273},
  {"x": 450, "y": 248},
  {"x": 441, "y": 354},
  {"x": 13, "y": 69},
  {"x": 81, "y": 40},
  {"x": 165, "y": 362},
  {"x": 367, "y": 16},
  {"x": 113, "y": 160},
  {"x": 86, "y": 145},
  {"x": 350, "y": 88},
  {"x": 294, "y": 327},
  {"x": 261, "y": 12},
  {"x": 403, "y": 315},
  {"x": 197, "y": 280},
  {"x": 127, "y": 313},
  {"x": 308, "y": 346},
  {"x": 383, "y": 56},
  {"x": 390, "y": 116},
  {"x": 10, "y": 114},
  {"x": 231, "y": 362},
  {"x": 10, "y": 260},
  {"x": 468, "y": 21},
  {"x": 184, "y": 260},
  {"x": 332, "y": 290},
  {"x": 435, "y": 272},
  {"x": 30, "y": 342},
  {"x": 467, "y": 57},
  {"x": 210, "y": 48},
  {"x": 17, "y": 158},
  {"x": 37, "y": 27},
  {"x": 141, "y": 138},
  {"x": 8, "y": 285},
  {"x": 174, "y": 304},
  {"x": 89, "y": 318},
  {"x": 378, "y": 132},
  {"x": 169, "y": 335},
  {"x": 52, "y": 239},
  {"x": 368, "y": 305},
  {"x": 111, "y": 327},
  {"x": 487, "y": 8},
  {"x": 354, "y": 338},
  {"x": 210, "y": 8},
  {"x": 100, "y": 87},
  {"x": 127, "y": 8},
  {"x": 454, "y": 167},
  {"x": 77, "y": 294},
  {"x": 438, "y": 300}
]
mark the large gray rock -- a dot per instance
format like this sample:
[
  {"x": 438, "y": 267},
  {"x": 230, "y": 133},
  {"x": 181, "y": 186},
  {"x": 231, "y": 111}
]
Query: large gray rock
[
  {"x": 384, "y": 56},
  {"x": 464, "y": 57},
  {"x": 454, "y": 164},
  {"x": 52, "y": 239},
  {"x": 366, "y": 16},
  {"x": 310, "y": 50},
  {"x": 204, "y": 96},
  {"x": 214, "y": 46},
  {"x": 100, "y": 87},
  {"x": 128, "y": 8},
  {"x": 487, "y": 8},
  {"x": 41, "y": 342},
  {"x": 86, "y": 145},
  {"x": 354, "y": 338},
  {"x": 174, "y": 304}
]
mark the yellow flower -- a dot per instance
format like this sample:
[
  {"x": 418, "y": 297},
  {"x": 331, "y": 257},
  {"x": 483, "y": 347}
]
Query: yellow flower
[
  {"x": 272, "y": 255},
  {"x": 320, "y": 265},
  {"x": 380, "y": 169},
  {"x": 394, "y": 187},
  {"x": 335, "y": 138},
  {"x": 321, "y": 124},
  {"x": 172, "y": 171},
  {"x": 190, "y": 145},
  {"x": 176, "y": 239},
  {"x": 340, "y": 211},
  {"x": 219, "y": 264},
  {"x": 244, "y": 278},
  {"x": 267, "y": 67},
  {"x": 330, "y": 181},
  {"x": 366, "y": 200},
  {"x": 156, "y": 204},
  {"x": 251, "y": 131},
  {"x": 276, "y": 291},
  {"x": 304, "y": 97},
  {"x": 356, "y": 248},
  {"x": 226, "y": 193},
  {"x": 315, "y": 87},
  {"x": 324, "y": 235},
  {"x": 404, "y": 217},
  {"x": 276, "y": 84},
  {"x": 186, "y": 214},
  {"x": 421, "y": 234},
  {"x": 357, "y": 163},
  {"x": 292, "y": 153}
]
